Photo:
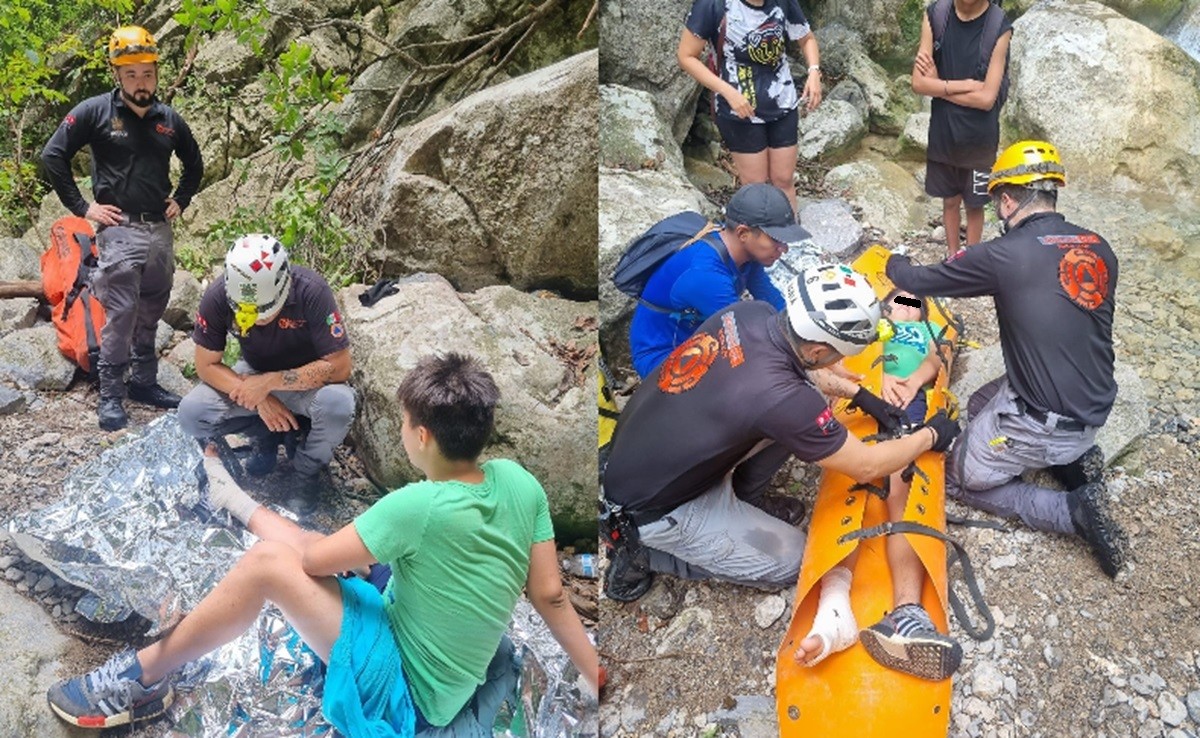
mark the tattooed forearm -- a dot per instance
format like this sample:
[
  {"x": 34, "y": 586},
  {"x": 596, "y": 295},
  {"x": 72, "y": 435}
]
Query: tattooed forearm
[
  {"x": 290, "y": 377},
  {"x": 310, "y": 376}
]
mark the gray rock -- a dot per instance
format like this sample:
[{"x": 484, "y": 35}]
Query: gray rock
[
  {"x": 987, "y": 682},
  {"x": 831, "y": 131},
  {"x": 185, "y": 300},
  {"x": 31, "y": 648},
  {"x": 850, "y": 91},
  {"x": 632, "y": 136},
  {"x": 1002, "y": 562},
  {"x": 11, "y": 401},
  {"x": 638, "y": 50},
  {"x": 914, "y": 139},
  {"x": 752, "y": 716},
  {"x": 692, "y": 624},
  {"x": 891, "y": 200},
  {"x": 1193, "y": 706},
  {"x": 12, "y": 574},
  {"x": 17, "y": 313},
  {"x": 162, "y": 336},
  {"x": 1171, "y": 710},
  {"x": 663, "y": 600},
  {"x": 30, "y": 358},
  {"x": 1151, "y": 728},
  {"x": 499, "y": 188},
  {"x": 768, "y": 610},
  {"x": 832, "y": 225},
  {"x": 45, "y": 584},
  {"x": 20, "y": 261},
  {"x": 540, "y": 350},
  {"x": 1142, "y": 684}
]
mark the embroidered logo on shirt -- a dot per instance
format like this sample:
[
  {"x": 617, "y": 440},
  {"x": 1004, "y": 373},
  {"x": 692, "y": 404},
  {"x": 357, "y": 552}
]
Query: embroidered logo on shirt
[
  {"x": 117, "y": 127},
  {"x": 200, "y": 321},
  {"x": 334, "y": 321},
  {"x": 164, "y": 130},
  {"x": 288, "y": 324},
  {"x": 69, "y": 121},
  {"x": 1084, "y": 277},
  {"x": 826, "y": 422}
]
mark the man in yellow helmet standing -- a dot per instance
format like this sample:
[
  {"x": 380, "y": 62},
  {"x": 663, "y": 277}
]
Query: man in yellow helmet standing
[
  {"x": 132, "y": 136},
  {"x": 1053, "y": 284}
]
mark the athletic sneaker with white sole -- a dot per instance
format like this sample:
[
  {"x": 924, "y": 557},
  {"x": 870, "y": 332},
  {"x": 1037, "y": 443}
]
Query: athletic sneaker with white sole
[
  {"x": 110, "y": 695},
  {"x": 907, "y": 641}
]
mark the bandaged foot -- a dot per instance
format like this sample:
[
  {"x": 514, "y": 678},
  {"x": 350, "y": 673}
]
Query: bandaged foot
[
  {"x": 833, "y": 627},
  {"x": 224, "y": 492}
]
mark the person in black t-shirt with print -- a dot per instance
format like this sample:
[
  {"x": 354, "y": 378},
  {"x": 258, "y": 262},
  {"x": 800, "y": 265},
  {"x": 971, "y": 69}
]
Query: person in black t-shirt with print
[{"x": 295, "y": 362}]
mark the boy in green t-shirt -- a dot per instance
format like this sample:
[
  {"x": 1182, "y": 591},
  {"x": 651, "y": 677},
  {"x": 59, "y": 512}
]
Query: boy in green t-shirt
[{"x": 429, "y": 653}]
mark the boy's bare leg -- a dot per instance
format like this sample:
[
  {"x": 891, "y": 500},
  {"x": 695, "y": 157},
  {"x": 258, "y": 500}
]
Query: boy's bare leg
[
  {"x": 908, "y": 574},
  {"x": 951, "y": 221},
  {"x": 781, "y": 172},
  {"x": 974, "y": 225},
  {"x": 270, "y": 570}
]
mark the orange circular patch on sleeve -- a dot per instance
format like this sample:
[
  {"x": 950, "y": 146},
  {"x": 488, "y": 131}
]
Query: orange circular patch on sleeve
[
  {"x": 686, "y": 365},
  {"x": 1084, "y": 276}
]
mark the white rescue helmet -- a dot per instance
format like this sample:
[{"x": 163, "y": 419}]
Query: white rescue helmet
[
  {"x": 257, "y": 279},
  {"x": 833, "y": 304}
]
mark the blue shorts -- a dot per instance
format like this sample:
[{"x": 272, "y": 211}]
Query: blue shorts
[
  {"x": 365, "y": 689},
  {"x": 917, "y": 408}
]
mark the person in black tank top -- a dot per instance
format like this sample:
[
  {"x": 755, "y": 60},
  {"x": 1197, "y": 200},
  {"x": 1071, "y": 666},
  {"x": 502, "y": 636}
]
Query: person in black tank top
[{"x": 964, "y": 127}]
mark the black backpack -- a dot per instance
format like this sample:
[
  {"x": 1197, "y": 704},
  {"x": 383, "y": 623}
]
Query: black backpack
[
  {"x": 987, "y": 42},
  {"x": 648, "y": 251}
]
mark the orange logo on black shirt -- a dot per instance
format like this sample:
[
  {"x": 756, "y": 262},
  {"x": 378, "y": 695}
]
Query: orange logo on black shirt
[
  {"x": 1084, "y": 276},
  {"x": 687, "y": 364}
]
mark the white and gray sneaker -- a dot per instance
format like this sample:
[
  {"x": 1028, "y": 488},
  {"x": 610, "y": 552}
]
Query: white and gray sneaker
[{"x": 906, "y": 640}]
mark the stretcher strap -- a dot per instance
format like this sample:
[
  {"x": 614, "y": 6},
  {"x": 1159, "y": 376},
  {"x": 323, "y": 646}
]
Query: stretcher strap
[{"x": 956, "y": 554}]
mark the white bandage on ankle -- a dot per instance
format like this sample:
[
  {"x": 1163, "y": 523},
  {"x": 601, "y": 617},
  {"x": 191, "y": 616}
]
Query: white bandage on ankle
[
  {"x": 834, "y": 622},
  {"x": 224, "y": 492}
]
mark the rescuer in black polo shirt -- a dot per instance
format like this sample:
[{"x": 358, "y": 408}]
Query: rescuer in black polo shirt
[
  {"x": 295, "y": 362},
  {"x": 132, "y": 136}
]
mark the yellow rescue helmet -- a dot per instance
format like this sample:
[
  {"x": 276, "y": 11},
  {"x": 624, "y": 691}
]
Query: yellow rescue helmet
[
  {"x": 131, "y": 45},
  {"x": 1032, "y": 164}
]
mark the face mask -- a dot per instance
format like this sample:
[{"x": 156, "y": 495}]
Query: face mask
[{"x": 245, "y": 316}]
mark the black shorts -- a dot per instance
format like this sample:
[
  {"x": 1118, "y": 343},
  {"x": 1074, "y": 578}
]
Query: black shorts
[
  {"x": 944, "y": 180},
  {"x": 744, "y": 137}
]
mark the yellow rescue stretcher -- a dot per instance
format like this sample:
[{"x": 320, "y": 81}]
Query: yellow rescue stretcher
[{"x": 849, "y": 694}]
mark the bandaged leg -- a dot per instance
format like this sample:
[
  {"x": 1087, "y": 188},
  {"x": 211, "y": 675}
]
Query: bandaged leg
[
  {"x": 834, "y": 624},
  {"x": 225, "y": 493}
]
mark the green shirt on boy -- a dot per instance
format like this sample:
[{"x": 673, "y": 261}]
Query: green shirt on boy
[
  {"x": 905, "y": 351},
  {"x": 460, "y": 557}
]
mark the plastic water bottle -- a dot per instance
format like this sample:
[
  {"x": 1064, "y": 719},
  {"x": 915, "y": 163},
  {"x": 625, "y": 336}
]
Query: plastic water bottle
[{"x": 581, "y": 565}]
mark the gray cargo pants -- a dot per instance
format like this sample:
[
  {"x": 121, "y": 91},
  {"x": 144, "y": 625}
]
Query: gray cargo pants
[
  {"x": 999, "y": 443},
  {"x": 205, "y": 413},
  {"x": 133, "y": 283},
  {"x": 720, "y": 535}
]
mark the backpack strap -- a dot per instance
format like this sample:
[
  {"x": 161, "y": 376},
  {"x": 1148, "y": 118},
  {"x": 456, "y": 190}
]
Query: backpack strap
[
  {"x": 991, "y": 34},
  {"x": 938, "y": 21},
  {"x": 93, "y": 341}
]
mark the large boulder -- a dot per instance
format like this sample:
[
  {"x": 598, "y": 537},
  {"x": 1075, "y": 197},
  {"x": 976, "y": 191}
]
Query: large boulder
[
  {"x": 1130, "y": 416},
  {"x": 19, "y": 260},
  {"x": 184, "y": 300},
  {"x": 638, "y": 44},
  {"x": 1154, "y": 14},
  {"x": 889, "y": 196},
  {"x": 830, "y": 132},
  {"x": 33, "y": 651},
  {"x": 30, "y": 358},
  {"x": 886, "y": 26},
  {"x": 540, "y": 349},
  {"x": 499, "y": 188},
  {"x": 843, "y": 56},
  {"x": 631, "y": 202},
  {"x": 1068, "y": 56},
  {"x": 1185, "y": 29},
  {"x": 633, "y": 135},
  {"x": 914, "y": 141}
]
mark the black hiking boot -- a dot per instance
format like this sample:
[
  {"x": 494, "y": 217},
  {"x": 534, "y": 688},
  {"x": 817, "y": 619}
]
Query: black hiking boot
[
  {"x": 111, "y": 413},
  {"x": 266, "y": 455},
  {"x": 628, "y": 576},
  {"x": 153, "y": 394},
  {"x": 788, "y": 509},
  {"x": 1094, "y": 525},
  {"x": 1087, "y": 469},
  {"x": 306, "y": 494}
]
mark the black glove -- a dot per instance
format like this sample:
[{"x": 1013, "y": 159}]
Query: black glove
[
  {"x": 945, "y": 428},
  {"x": 380, "y": 290},
  {"x": 887, "y": 415}
]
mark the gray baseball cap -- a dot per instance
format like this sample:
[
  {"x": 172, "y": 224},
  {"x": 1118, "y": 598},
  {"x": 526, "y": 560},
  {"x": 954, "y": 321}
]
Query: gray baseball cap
[{"x": 764, "y": 206}]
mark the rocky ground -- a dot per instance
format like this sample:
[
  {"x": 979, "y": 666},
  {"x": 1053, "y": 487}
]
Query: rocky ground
[
  {"x": 1074, "y": 653},
  {"x": 59, "y": 432}
]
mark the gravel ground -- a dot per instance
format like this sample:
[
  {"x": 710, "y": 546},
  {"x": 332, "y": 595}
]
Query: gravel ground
[{"x": 1074, "y": 653}]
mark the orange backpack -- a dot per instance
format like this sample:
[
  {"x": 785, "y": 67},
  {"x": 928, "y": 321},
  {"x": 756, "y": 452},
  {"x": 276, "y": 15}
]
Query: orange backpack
[{"x": 67, "y": 268}]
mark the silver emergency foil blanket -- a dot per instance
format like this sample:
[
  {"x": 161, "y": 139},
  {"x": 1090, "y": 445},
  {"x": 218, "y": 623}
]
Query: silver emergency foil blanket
[{"x": 131, "y": 531}]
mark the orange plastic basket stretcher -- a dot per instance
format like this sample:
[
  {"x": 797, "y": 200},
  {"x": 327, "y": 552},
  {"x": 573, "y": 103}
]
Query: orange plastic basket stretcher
[{"x": 849, "y": 694}]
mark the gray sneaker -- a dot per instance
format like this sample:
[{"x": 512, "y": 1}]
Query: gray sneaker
[
  {"x": 907, "y": 641},
  {"x": 110, "y": 695}
]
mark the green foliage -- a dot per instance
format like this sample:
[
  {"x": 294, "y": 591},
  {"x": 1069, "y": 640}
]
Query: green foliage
[
  {"x": 44, "y": 45},
  {"x": 204, "y": 19}
]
